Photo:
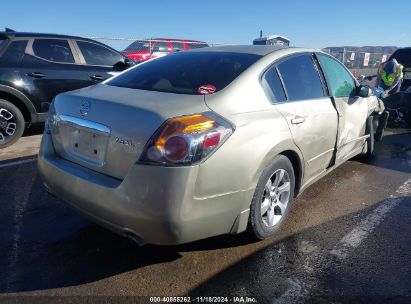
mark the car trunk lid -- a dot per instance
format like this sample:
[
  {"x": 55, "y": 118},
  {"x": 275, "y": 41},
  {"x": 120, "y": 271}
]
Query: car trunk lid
[{"x": 106, "y": 128}]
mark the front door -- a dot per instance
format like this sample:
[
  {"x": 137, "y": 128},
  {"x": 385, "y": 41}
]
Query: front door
[{"x": 352, "y": 109}]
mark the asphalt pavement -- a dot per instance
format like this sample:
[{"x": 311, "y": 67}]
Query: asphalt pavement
[{"x": 347, "y": 240}]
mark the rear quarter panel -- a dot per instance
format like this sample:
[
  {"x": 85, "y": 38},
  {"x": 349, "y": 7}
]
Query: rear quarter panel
[{"x": 261, "y": 133}]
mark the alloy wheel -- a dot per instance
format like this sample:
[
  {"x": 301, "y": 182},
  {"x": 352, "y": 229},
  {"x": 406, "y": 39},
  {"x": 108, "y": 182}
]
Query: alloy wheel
[
  {"x": 8, "y": 125},
  {"x": 275, "y": 198}
]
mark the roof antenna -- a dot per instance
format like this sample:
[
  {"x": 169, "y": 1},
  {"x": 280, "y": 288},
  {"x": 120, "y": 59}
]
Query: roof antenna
[
  {"x": 261, "y": 34},
  {"x": 9, "y": 30}
]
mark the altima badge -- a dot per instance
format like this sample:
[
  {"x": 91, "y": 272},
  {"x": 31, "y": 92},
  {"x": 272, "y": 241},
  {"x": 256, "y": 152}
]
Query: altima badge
[
  {"x": 85, "y": 108},
  {"x": 125, "y": 142}
]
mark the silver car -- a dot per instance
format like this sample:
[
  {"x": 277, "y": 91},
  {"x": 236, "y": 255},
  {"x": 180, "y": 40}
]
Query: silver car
[{"x": 207, "y": 142}]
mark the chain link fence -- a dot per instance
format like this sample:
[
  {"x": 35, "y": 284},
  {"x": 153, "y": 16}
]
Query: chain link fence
[{"x": 360, "y": 63}]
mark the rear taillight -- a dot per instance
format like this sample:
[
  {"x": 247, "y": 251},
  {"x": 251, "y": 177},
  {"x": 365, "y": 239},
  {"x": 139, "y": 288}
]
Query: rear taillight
[
  {"x": 51, "y": 120},
  {"x": 186, "y": 140}
]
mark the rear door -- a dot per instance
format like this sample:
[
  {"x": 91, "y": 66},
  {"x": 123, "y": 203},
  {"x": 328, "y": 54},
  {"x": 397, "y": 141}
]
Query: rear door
[
  {"x": 97, "y": 61},
  {"x": 352, "y": 110},
  {"x": 299, "y": 93},
  {"x": 49, "y": 67}
]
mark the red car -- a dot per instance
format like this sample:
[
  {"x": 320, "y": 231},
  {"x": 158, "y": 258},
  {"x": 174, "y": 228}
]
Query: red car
[{"x": 142, "y": 50}]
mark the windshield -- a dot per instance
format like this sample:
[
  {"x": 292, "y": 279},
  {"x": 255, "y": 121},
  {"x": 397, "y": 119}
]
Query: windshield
[
  {"x": 186, "y": 72},
  {"x": 403, "y": 57}
]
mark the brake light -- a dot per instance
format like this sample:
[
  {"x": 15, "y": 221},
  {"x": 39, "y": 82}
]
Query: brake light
[{"x": 186, "y": 140}]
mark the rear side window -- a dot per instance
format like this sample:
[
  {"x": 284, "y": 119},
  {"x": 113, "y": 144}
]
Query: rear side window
[
  {"x": 14, "y": 52},
  {"x": 403, "y": 57},
  {"x": 192, "y": 45},
  {"x": 341, "y": 83},
  {"x": 301, "y": 78},
  {"x": 95, "y": 54},
  {"x": 275, "y": 87},
  {"x": 177, "y": 46},
  {"x": 56, "y": 50},
  {"x": 138, "y": 46},
  {"x": 186, "y": 72},
  {"x": 160, "y": 46}
]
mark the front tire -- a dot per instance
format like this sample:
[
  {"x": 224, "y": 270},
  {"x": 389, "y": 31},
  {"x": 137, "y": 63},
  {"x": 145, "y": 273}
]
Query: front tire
[
  {"x": 369, "y": 130},
  {"x": 11, "y": 124},
  {"x": 272, "y": 199}
]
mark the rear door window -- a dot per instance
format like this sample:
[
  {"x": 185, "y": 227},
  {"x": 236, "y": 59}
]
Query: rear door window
[
  {"x": 340, "y": 81},
  {"x": 301, "y": 78},
  {"x": 57, "y": 50},
  {"x": 186, "y": 72},
  {"x": 95, "y": 54}
]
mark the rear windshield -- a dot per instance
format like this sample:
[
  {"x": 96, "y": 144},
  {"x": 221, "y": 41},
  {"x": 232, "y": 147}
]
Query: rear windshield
[
  {"x": 138, "y": 46},
  {"x": 186, "y": 72},
  {"x": 403, "y": 57}
]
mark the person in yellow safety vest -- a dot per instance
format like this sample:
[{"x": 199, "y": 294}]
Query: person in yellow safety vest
[{"x": 390, "y": 76}]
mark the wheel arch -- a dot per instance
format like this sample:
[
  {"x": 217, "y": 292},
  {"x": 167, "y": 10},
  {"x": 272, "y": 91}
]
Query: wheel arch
[
  {"x": 289, "y": 150},
  {"x": 297, "y": 166},
  {"x": 21, "y": 101}
]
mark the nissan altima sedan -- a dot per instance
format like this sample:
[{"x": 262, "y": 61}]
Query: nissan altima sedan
[{"x": 206, "y": 142}]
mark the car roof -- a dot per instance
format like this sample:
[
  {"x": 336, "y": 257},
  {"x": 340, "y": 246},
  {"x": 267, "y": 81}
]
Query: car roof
[
  {"x": 403, "y": 49},
  {"x": 40, "y": 35},
  {"x": 176, "y": 40},
  {"x": 261, "y": 50}
]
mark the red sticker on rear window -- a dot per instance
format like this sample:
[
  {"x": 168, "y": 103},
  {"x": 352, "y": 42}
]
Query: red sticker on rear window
[{"x": 206, "y": 89}]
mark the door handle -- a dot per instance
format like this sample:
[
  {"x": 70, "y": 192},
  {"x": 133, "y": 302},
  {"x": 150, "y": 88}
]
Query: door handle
[
  {"x": 36, "y": 75},
  {"x": 297, "y": 120},
  {"x": 97, "y": 78}
]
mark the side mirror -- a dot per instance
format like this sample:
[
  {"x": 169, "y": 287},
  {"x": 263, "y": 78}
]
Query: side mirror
[
  {"x": 120, "y": 66},
  {"x": 129, "y": 63},
  {"x": 361, "y": 78},
  {"x": 364, "y": 91}
]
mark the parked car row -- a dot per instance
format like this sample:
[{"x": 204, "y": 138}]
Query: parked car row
[
  {"x": 34, "y": 68},
  {"x": 143, "y": 50}
]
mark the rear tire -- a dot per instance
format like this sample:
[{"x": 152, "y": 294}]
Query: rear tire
[
  {"x": 272, "y": 199},
  {"x": 12, "y": 124}
]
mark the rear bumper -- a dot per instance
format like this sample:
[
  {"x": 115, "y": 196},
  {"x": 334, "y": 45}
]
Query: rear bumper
[{"x": 156, "y": 204}]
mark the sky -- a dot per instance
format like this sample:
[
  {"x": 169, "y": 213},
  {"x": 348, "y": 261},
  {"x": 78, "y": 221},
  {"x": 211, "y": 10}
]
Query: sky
[{"x": 315, "y": 23}]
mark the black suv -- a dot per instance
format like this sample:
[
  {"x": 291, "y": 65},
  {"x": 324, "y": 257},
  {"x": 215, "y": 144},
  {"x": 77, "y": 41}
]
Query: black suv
[
  {"x": 403, "y": 56},
  {"x": 36, "y": 67}
]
